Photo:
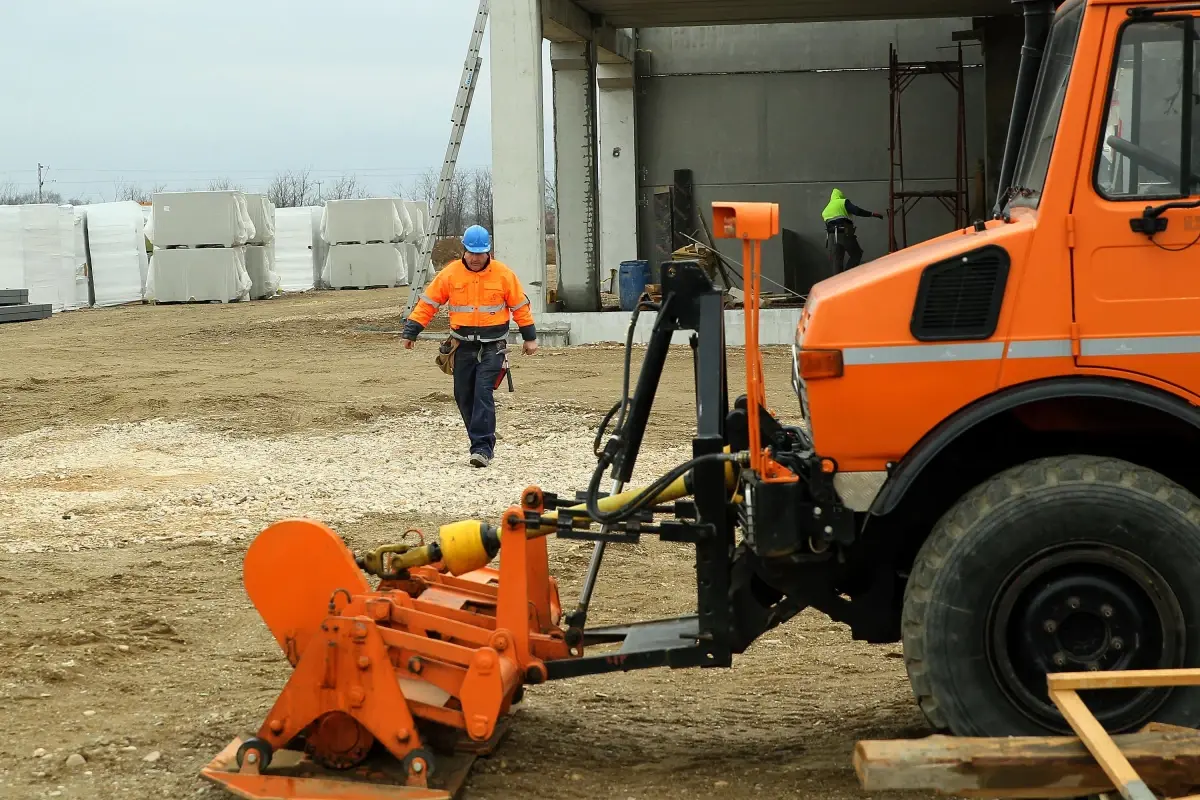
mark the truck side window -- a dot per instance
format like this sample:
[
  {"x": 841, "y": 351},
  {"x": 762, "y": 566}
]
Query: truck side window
[{"x": 1150, "y": 136}]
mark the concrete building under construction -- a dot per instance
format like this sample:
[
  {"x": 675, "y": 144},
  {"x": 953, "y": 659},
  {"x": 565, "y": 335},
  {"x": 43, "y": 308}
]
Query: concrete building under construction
[{"x": 661, "y": 107}]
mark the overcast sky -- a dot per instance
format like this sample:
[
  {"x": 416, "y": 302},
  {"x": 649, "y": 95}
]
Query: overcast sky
[{"x": 183, "y": 91}]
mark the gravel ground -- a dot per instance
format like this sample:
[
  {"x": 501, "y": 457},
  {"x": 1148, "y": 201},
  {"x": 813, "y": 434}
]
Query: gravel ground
[
  {"x": 142, "y": 448},
  {"x": 71, "y": 489}
]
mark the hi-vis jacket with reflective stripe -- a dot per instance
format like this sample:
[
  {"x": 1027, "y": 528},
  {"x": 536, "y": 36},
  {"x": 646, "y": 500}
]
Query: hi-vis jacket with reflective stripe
[{"x": 480, "y": 303}]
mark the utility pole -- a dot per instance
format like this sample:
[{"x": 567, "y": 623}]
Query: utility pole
[{"x": 41, "y": 179}]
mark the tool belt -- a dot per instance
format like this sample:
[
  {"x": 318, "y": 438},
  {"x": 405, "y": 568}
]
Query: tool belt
[
  {"x": 838, "y": 231},
  {"x": 445, "y": 356}
]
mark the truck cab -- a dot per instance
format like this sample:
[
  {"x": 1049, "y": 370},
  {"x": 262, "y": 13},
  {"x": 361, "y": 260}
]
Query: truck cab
[{"x": 1011, "y": 411}]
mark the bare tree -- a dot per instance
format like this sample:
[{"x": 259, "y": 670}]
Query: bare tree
[
  {"x": 135, "y": 192},
  {"x": 480, "y": 197},
  {"x": 424, "y": 188},
  {"x": 292, "y": 190},
  {"x": 346, "y": 188},
  {"x": 224, "y": 185},
  {"x": 549, "y": 192}
]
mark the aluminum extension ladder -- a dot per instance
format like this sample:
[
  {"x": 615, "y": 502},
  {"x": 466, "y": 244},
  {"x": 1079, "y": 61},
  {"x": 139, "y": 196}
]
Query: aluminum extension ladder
[{"x": 462, "y": 107}]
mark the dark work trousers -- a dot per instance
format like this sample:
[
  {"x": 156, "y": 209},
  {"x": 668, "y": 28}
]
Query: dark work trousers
[
  {"x": 476, "y": 367},
  {"x": 842, "y": 241}
]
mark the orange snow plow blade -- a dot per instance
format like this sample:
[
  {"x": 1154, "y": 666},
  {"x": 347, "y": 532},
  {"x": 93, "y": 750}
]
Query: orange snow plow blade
[
  {"x": 394, "y": 690},
  {"x": 296, "y": 777}
]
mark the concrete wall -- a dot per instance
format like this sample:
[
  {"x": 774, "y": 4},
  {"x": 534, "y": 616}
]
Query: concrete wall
[
  {"x": 776, "y": 326},
  {"x": 784, "y": 113}
]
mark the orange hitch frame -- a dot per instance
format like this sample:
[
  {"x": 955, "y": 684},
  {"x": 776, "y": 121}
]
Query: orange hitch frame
[{"x": 753, "y": 223}]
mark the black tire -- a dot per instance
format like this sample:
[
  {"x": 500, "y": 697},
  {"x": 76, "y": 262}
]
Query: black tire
[{"x": 1088, "y": 560}]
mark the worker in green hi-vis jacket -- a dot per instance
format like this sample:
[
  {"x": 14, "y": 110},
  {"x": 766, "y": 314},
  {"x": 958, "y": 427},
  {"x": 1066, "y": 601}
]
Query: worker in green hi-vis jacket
[{"x": 840, "y": 238}]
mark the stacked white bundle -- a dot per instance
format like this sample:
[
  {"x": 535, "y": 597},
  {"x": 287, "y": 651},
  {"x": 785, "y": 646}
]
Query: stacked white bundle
[
  {"x": 37, "y": 252},
  {"x": 116, "y": 243},
  {"x": 260, "y": 250},
  {"x": 205, "y": 273},
  {"x": 200, "y": 219},
  {"x": 12, "y": 258},
  {"x": 260, "y": 266},
  {"x": 370, "y": 220},
  {"x": 363, "y": 237},
  {"x": 410, "y": 250},
  {"x": 199, "y": 243},
  {"x": 294, "y": 248},
  {"x": 363, "y": 266},
  {"x": 320, "y": 247},
  {"x": 82, "y": 290}
]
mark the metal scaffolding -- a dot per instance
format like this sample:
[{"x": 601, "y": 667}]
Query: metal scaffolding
[{"x": 900, "y": 199}]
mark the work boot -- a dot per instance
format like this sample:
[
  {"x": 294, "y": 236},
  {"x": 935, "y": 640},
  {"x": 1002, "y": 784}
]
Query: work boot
[{"x": 479, "y": 460}]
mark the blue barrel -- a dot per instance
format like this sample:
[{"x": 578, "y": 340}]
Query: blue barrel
[{"x": 632, "y": 279}]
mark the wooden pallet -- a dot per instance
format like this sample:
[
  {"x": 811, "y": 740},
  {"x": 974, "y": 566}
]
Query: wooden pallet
[{"x": 1160, "y": 757}]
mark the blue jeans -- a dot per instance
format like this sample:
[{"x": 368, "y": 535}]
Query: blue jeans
[{"x": 476, "y": 367}]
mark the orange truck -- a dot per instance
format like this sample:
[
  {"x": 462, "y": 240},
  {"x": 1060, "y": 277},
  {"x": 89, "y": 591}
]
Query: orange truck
[{"x": 1012, "y": 408}]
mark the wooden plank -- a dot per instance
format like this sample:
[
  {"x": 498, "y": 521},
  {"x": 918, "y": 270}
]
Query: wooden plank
[
  {"x": 1114, "y": 763},
  {"x": 1025, "y": 767},
  {"x": 1122, "y": 679}
]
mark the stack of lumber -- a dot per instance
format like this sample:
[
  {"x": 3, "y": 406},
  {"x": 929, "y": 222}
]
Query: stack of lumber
[{"x": 15, "y": 306}]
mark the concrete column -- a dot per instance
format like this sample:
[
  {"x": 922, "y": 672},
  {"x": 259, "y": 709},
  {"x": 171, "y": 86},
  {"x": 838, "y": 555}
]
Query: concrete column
[
  {"x": 574, "y": 174},
  {"x": 618, "y": 168},
  {"x": 1002, "y": 39},
  {"x": 518, "y": 174}
]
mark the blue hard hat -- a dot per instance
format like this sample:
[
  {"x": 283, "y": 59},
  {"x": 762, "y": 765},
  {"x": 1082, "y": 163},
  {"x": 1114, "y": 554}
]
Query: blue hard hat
[{"x": 477, "y": 240}]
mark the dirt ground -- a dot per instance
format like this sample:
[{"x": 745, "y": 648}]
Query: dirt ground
[{"x": 142, "y": 447}]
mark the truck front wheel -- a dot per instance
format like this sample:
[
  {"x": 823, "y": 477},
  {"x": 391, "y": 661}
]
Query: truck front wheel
[{"x": 1064, "y": 564}]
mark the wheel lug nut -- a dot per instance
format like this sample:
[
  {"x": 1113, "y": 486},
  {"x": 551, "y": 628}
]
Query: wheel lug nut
[
  {"x": 1073, "y": 602},
  {"x": 1050, "y": 626},
  {"x": 1060, "y": 659},
  {"x": 1106, "y": 610},
  {"x": 1117, "y": 643}
]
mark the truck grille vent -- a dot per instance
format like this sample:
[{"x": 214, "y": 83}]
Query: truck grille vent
[{"x": 960, "y": 298}]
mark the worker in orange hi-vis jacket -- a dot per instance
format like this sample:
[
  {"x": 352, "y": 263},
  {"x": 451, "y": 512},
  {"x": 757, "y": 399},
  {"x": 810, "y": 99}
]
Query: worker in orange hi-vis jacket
[{"x": 482, "y": 294}]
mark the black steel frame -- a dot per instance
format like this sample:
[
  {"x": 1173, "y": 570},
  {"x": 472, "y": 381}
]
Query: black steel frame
[{"x": 706, "y": 639}]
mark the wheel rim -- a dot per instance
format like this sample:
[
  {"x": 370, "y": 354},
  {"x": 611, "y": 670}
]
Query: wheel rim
[{"x": 1078, "y": 608}]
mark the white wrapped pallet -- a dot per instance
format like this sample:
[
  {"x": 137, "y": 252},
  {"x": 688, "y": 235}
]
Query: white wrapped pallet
[
  {"x": 12, "y": 260},
  {"x": 361, "y": 266},
  {"x": 366, "y": 221},
  {"x": 418, "y": 211},
  {"x": 294, "y": 248},
  {"x": 262, "y": 217},
  {"x": 198, "y": 275},
  {"x": 406, "y": 220},
  {"x": 320, "y": 247},
  {"x": 193, "y": 219},
  {"x": 403, "y": 273},
  {"x": 260, "y": 266},
  {"x": 116, "y": 240},
  {"x": 409, "y": 253},
  {"x": 37, "y": 252},
  {"x": 79, "y": 260}
]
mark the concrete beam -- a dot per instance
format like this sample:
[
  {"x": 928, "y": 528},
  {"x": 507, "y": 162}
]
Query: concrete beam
[
  {"x": 564, "y": 21},
  {"x": 683, "y": 13},
  {"x": 618, "y": 167},
  {"x": 575, "y": 184},
  {"x": 518, "y": 171}
]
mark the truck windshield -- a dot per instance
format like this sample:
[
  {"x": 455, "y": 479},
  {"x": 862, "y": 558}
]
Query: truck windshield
[{"x": 1038, "y": 142}]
